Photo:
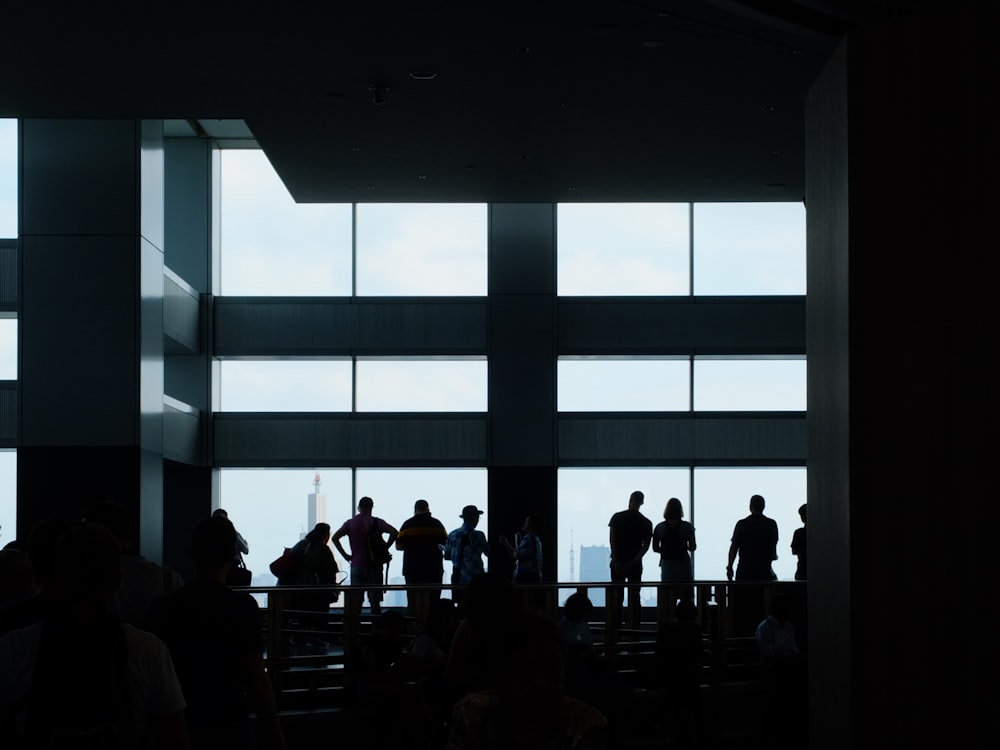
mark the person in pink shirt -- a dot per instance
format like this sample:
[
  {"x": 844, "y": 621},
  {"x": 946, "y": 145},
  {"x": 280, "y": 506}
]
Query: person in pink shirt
[{"x": 363, "y": 571}]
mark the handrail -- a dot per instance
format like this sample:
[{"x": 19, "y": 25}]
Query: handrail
[{"x": 714, "y": 601}]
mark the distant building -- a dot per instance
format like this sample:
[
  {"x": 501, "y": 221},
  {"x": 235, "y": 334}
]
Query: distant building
[
  {"x": 595, "y": 566},
  {"x": 315, "y": 505}
]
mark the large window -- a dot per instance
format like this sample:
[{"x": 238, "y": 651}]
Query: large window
[
  {"x": 624, "y": 384},
  {"x": 8, "y": 349},
  {"x": 421, "y": 249},
  {"x": 749, "y": 248},
  {"x": 397, "y": 384},
  {"x": 720, "y": 497},
  {"x": 271, "y": 245},
  {"x": 409, "y": 384},
  {"x": 749, "y": 384},
  {"x": 623, "y": 248},
  {"x": 274, "y": 508},
  {"x": 681, "y": 248},
  {"x": 587, "y": 500},
  {"x": 8, "y": 497},
  {"x": 285, "y": 385},
  {"x": 8, "y": 178}
]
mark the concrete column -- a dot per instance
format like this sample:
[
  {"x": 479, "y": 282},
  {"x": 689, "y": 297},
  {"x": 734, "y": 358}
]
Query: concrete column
[
  {"x": 900, "y": 200},
  {"x": 522, "y": 376},
  {"x": 91, "y": 310}
]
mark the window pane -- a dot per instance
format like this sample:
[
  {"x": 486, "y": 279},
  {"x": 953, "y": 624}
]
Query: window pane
[
  {"x": 587, "y": 500},
  {"x": 274, "y": 508},
  {"x": 8, "y": 497},
  {"x": 422, "y": 249},
  {"x": 421, "y": 385},
  {"x": 285, "y": 385},
  {"x": 594, "y": 384},
  {"x": 8, "y": 349},
  {"x": 749, "y": 248},
  {"x": 271, "y": 245},
  {"x": 447, "y": 491},
  {"x": 722, "y": 497},
  {"x": 749, "y": 384},
  {"x": 622, "y": 248},
  {"x": 8, "y": 178}
]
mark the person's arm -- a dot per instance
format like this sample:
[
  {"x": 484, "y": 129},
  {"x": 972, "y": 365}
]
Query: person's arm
[
  {"x": 241, "y": 544},
  {"x": 388, "y": 528},
  {"x": 692, "y": 544},
  {"x": 341, "y": 532},
  {"x": 733, "y": 549}
]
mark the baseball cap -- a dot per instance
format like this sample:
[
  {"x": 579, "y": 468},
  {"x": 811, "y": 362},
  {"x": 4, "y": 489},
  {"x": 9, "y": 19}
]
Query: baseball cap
[{"x": 471, "y": 511}]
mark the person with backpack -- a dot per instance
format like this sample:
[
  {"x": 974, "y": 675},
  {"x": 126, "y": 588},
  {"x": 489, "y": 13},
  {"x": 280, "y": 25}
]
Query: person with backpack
[{"x": 369, "y": 555}]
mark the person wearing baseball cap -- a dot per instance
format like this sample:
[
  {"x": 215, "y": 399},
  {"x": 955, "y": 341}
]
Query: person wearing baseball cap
[{"x": 466, "y": 547}]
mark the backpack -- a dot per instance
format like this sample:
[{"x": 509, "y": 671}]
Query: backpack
[
  {"x": 378, "y": 550},
  {"x": 286, "y": 567}
]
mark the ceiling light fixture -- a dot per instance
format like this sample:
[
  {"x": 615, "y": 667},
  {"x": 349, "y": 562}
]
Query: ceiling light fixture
[{"x": 423, "y": 75}]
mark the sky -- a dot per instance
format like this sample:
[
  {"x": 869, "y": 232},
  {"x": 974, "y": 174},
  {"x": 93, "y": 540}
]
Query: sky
[{"x": 272, "y": 246}]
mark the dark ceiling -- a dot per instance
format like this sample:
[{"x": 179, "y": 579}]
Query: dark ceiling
[{"x": 445, "y": 101}]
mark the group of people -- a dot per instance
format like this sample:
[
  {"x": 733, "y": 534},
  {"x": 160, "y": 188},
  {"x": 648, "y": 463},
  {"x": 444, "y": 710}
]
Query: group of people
[
  {"x": 101, "y": 647},
  {"x": 426, "y": 544}
]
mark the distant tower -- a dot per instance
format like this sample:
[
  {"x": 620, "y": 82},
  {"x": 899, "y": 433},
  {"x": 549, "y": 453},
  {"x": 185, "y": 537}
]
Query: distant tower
[
  {"x": 316, "y": 504},
  {"x": 572, "y": 558}
]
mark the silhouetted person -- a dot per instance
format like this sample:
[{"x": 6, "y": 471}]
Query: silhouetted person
[
  {"x": 784, "y": 669},
  {"x": 674, "y": 541},
  {"x": 526, "y": 552},
  {"x": 421, "y": 540},
  {"x": 466, "y": 547},
  {"x": 680, "y": 657},
  {"x": 589, "y": 676},
  {"x": 799, "y": 546},
  {"x": 239, "y": 575},
  {"x": 143, "y": 581},
  {"x": 528, "y": 707},
  {"x": 317, "y": 567},
  {"x": 629, "y": 537},
  {"x": 364, "y": 573},
  {"x": 215, "y": 636},
  {"x": 472, "y": 660},
  {"x": 81, "y": 677},
  {"x": 755, "y": 542},
  {"x": 41, "y": 547},
  {"x": 17, "y": 588}
]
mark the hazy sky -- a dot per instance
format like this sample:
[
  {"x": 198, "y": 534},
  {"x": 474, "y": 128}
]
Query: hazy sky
[{"x": 270, "y": 245}]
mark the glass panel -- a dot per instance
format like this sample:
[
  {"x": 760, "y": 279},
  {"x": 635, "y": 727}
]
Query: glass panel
[
  {"x": 8, "y": 349},
  {"x": 422, "y": 249},
  {"x": 749, "y": 384},
  {"x": 285, "y": 385},
  {"x": 8, "y": 178},
  {"x": 274, "y": 508},
  {"x": 622, "y": 248},
  {"x": 722, "y": 497},
  {"x": 447, "y": 491},
  {"x": 595, "y": 384},
  {"x": 421, "y": 385},
  {"x": 271, "y": 245},
  {"x": 587, "y": 500},
  {"x": 8, "y": 497},
  {"x": 749, "y": 248}
]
